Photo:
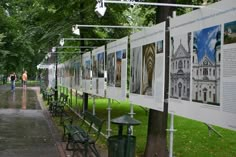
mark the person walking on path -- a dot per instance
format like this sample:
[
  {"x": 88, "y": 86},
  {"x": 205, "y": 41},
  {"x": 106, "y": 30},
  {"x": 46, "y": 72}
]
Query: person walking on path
[
  {"x": 13, "y": 81},
  {"x": 24, "y": 79}
]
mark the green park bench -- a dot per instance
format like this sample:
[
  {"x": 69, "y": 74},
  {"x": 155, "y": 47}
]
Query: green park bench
[
  {"x": 57, "y": 107},
  {"x": 48, "y": 94},
  {"x": 83, "y": 135}
]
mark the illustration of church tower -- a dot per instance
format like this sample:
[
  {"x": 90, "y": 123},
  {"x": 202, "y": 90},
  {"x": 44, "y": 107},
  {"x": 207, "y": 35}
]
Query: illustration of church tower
[
  {"x": 195, "y": 69},
  {"x": 217, "y": 65}
]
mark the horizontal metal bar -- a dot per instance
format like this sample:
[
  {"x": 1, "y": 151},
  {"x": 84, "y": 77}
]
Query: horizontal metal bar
[
  {"x": 92, "y": 39},
  {"x": 154, "y": 4},
  {"x": 111, "y": 26},
  {"x": 64, "y": 47},
  {"x": 67, "y": 52}
]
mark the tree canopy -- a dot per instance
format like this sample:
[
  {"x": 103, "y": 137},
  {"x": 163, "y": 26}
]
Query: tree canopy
[{"x": 30, "y": 28}]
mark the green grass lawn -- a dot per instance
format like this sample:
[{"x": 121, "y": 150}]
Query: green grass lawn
[{"x": 191, "y": 139}]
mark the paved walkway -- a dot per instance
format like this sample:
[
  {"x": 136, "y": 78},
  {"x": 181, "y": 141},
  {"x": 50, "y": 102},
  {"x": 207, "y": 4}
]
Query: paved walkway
[{"x": 26, "y": 128}]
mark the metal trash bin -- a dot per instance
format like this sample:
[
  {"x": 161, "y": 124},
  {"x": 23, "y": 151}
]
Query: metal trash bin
[{"x": 122, "y": 145}]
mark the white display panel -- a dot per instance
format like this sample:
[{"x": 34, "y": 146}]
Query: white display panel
[
  {"x": 71, "y": 74},
  {"x": 67, "y": 74},
  {"x": 98, "y": 68},
  {"x": 60, "y": 74},
  {"x": 86, "y": 73},
  {"x": 117, "y": 69},
  {"x": 77, "y": 77},
  {"x": 147, "y": 60},
  {"x": 51, "y": 76},
  {"x": 202, "y": 58}
]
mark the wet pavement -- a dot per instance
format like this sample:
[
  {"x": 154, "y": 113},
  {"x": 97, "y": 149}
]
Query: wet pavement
[
  {"x": 25, "y": 130},
  {"x": 26, "y": 127},
  {"x": 18, "y": 99}
]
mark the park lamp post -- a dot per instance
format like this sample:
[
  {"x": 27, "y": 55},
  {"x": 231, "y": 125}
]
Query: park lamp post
[
  {"x": 54, "y": 49},
  {"x": 56, "y": 91}
]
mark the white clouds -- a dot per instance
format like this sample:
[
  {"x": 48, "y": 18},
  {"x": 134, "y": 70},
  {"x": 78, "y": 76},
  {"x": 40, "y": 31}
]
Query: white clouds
[{"x": 211, "y": 44}]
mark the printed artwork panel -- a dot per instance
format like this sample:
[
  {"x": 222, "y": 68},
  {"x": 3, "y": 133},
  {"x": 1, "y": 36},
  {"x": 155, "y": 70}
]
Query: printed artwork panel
[
  {"x": 118, "y": 68},
  {"x": 230, "y": 32},
  {"x": 148, "y": 69},
  {"x": 136, "y": 67},
  {"x": 180, "y": 67},
  {"x": 100, "y": 58},
  {"x": 206, "y": 65},
  {"x": 111, "y": 69}
]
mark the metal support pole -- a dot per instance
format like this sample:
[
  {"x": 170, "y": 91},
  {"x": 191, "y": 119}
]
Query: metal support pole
[
  {"x": 71, "y": 97},
  {"x": 109, "y": 118},
  {"x": 171, "y": 130},
  {"x": 94, "y": 106},
  {"x": 76, "y": 97},
  {"x": 56, "y": 91},
  {"x": 85, "y": 102},
  {"x": 76, "y": 102},
  {"x": 132, "y": 116}
]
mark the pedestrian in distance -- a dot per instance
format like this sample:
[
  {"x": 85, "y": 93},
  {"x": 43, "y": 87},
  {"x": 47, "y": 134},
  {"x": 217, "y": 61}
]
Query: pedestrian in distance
[
  {"x": 24, "y": 79},
  {"x": 13, "y": 81}
]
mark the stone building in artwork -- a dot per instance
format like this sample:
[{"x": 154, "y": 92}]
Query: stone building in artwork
[
  {"x": 180, "y": 70},
  {"x": 206, "y": 74}
]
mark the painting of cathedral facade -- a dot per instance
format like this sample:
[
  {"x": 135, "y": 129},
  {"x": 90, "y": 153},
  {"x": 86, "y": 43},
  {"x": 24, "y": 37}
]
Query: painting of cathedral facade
[
  {"x": 86, "y": 70},
  {"x": 118, "y": 69},
  {"x": 180, "y": 67},
  {"x": 77, "y": 74},
  {"x": 100, "y": 58},
  {"x": 135, "y": 81},
  {"x": 111, "y": 69},
  {"x": 148, "y": 68},
  {"x": 206, "y": 60},
  {"x": 95, "y": 67}
]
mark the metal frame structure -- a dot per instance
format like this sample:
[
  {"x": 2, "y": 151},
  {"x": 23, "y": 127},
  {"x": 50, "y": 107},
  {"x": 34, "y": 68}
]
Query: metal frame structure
[
  {"x": 112, "y": 26},
  {"x": 130, "y": 2},
  {"x": 89, "y": 39}
]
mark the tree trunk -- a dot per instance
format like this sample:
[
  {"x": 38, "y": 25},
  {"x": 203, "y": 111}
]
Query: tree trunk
[{"x": 156, "y": 145}]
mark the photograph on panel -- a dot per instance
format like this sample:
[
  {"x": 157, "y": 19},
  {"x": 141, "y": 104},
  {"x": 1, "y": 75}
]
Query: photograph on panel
[
  {"x": 87, "y": 69},
  {"x": 111, "y": 69},
  {"x": 72, "y": 74},
  {"x": 148, "y": 69},
  {"x": 101, "y": 60},
  {"x": 67, "y": 75},
  {"x": 159, "y": 47},
  {"x": 95, "y": 66},
  {"x": 118, "y": 68},
  {"x": 124, "y": 54},
  {"x": 206, "y": 65},
  {"x": 136, "y": 67},
  {"x": 230, "y": 32},
  {"x": 180, "y": 66},
  {"x": 77, "y": 74}
]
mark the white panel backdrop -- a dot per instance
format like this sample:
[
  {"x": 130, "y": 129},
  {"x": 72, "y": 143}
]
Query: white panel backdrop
[
  {"x": 98, "y": 68},
  {"x": 86, "y": 73},
  {"x": 117, "y": 69},
  {"x": 147, "y": 60},
  {"x": 206, "y": 39}
]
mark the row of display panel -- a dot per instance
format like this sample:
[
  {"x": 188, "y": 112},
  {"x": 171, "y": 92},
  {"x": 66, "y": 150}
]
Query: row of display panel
[{"x": 202, "y": 69}]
